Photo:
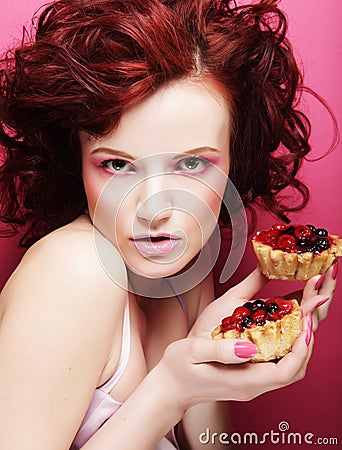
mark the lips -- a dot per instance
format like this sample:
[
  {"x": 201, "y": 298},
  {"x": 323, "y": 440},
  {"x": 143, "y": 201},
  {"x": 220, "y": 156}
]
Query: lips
[{"x": 155, "y": 245}]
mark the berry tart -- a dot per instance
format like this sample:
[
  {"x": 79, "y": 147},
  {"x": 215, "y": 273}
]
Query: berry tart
[
  {"x": 273, "y": 325},
  {"x": 295, "y": 252}
]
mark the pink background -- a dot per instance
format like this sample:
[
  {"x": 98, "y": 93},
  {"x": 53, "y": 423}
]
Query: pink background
[{"x": 311, "y": 405}]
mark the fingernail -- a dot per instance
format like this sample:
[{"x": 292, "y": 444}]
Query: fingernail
[
  {"x": 319, "y": 282},
  {"x": 309, "y": 330},
  {"x": 245, "y": 349},
  {"x": 322, "y": 302},
  {"x": 335, "y": 270}
]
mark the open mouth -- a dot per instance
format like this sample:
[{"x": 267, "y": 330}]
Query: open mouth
[{"x": 155, "y": 245}]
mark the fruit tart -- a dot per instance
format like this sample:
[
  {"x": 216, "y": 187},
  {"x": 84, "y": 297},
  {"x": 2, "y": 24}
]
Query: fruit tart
[
  {"x": 273, "y": 325},
  {"x": 295, "y": 252}
]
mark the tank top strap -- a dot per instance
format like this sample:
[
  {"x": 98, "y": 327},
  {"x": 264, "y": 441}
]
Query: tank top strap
[{"x": 125, "y": 352}]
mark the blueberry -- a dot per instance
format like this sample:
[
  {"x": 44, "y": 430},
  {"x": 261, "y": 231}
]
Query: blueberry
[
  {"x": 272, "y": 308},
  {"x": 259, "y": 304},
  {"x": 322, "y": 243},
  {"x": 303, "y": 243},
  {"x": 290, "y": 230},
  {"x": 313, "y": 249},
  {"x": 248, "y": 305},
  {"x": 317, "y": 250},
  {"x": 321, "y": 232},
  {"x": 312, "y": 228},
  {"x": 247, "y": 322}
]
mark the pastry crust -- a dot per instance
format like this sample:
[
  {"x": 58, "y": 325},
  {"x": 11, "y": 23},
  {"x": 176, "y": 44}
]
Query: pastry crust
[
  {"x": 274, "y": 339},
  {"x": 277, "y": 264}
]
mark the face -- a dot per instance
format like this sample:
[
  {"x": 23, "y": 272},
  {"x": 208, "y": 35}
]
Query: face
[{"x": 155, "y": 184}]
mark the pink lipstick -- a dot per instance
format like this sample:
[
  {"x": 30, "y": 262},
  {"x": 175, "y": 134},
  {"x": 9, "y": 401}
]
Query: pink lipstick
[{"x": 155, "y": 245}]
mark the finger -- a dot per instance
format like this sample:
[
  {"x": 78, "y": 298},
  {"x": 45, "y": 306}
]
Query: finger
[
  {"x": 247, "y": 288},
  {"x": 293, "y": 365},
  {"x": 312, "y": 287},
  {"x": 226, "y": 351},
  {"x": 328, "y": 285},
  {"x": 315, "y": 303}
]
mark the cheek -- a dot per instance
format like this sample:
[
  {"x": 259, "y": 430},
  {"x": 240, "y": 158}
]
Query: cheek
[
  {"x": 203, "y": 208},
  {"x": 93, "y": 187}
]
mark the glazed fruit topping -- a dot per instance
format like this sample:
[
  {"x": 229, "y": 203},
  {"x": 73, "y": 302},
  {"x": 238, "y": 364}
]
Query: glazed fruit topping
[
  {"x": 295, "y": 238},
  {"x": 256, "y": 313}
]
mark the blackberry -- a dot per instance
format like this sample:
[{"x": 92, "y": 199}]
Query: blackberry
[{"x": 259, "y": 304}]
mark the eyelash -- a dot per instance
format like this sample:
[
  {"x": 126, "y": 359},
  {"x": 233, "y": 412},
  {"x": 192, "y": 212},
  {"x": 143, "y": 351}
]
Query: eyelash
[
  {"x": 198, "y": 160},
  {"x": 105, "y": 164}
]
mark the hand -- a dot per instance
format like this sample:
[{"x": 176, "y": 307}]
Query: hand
[
  {"x": 199, "y": 369},
  {"x": 317, "y": 295},
  {"x": 225, "y": 305}
]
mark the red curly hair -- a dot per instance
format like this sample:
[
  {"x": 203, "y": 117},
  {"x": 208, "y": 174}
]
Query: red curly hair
[{"x": 90, "y": 60}]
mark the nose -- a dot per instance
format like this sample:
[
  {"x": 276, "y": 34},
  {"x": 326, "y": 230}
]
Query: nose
[{"x": 155, "y": 201}]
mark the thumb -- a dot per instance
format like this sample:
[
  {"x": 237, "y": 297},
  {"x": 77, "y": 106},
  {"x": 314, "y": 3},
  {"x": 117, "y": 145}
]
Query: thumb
[
  {"x": 248, "y": 287},
  {"x": 226, "y": 351}
]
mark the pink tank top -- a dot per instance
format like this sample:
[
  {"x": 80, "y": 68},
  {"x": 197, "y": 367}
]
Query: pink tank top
[{"x": 102, "y": 405}]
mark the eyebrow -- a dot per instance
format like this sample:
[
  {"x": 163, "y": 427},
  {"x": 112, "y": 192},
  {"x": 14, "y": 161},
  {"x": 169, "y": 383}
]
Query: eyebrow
[{"x": 122, "y": 154}]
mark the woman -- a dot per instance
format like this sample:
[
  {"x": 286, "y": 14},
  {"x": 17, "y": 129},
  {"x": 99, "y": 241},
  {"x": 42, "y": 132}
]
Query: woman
[{"x": 121, "y": 124}]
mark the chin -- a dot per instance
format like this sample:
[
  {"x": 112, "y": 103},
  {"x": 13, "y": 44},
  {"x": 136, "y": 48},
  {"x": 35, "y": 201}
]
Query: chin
[{"x": 155, "y": 270}]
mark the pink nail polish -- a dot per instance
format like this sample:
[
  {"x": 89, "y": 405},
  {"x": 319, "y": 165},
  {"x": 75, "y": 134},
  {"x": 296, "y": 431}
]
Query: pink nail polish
[
  {"x": 244, "y": 349},
  {"x": 309, "y": 330},
  {"x": 319, "y": 282},
  {"x": 335, "y": 270},
  {"x": 322, "y": 302}
]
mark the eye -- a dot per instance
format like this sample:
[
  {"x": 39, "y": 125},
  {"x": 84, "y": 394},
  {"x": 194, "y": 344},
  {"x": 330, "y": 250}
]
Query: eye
[
  {"x": 192, "y": 164},
  {"x": 117, "y": 166}
]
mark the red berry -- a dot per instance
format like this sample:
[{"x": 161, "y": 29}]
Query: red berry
[
  {"x": 279, "y": 226},
  {"x": 285, "y": 306},
  {"x": 259, "y": 317},
  {"x": 267, "y": 237},
  {"x": 227, "y": 324},
  {"x": 240, "y": 312},
  {"x": 286, "y": 242},
  {"x": 301, "y": 231},
  {"x": 227, "y": 320}
]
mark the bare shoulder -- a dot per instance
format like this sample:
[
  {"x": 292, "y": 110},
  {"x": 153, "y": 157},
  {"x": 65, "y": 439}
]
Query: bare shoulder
[
  {"x": 61, "y": 318},
  {"x": 68, "y": 264}
]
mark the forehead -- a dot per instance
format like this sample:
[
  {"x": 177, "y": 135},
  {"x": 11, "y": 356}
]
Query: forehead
[{"x": 176, "y": 118}]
